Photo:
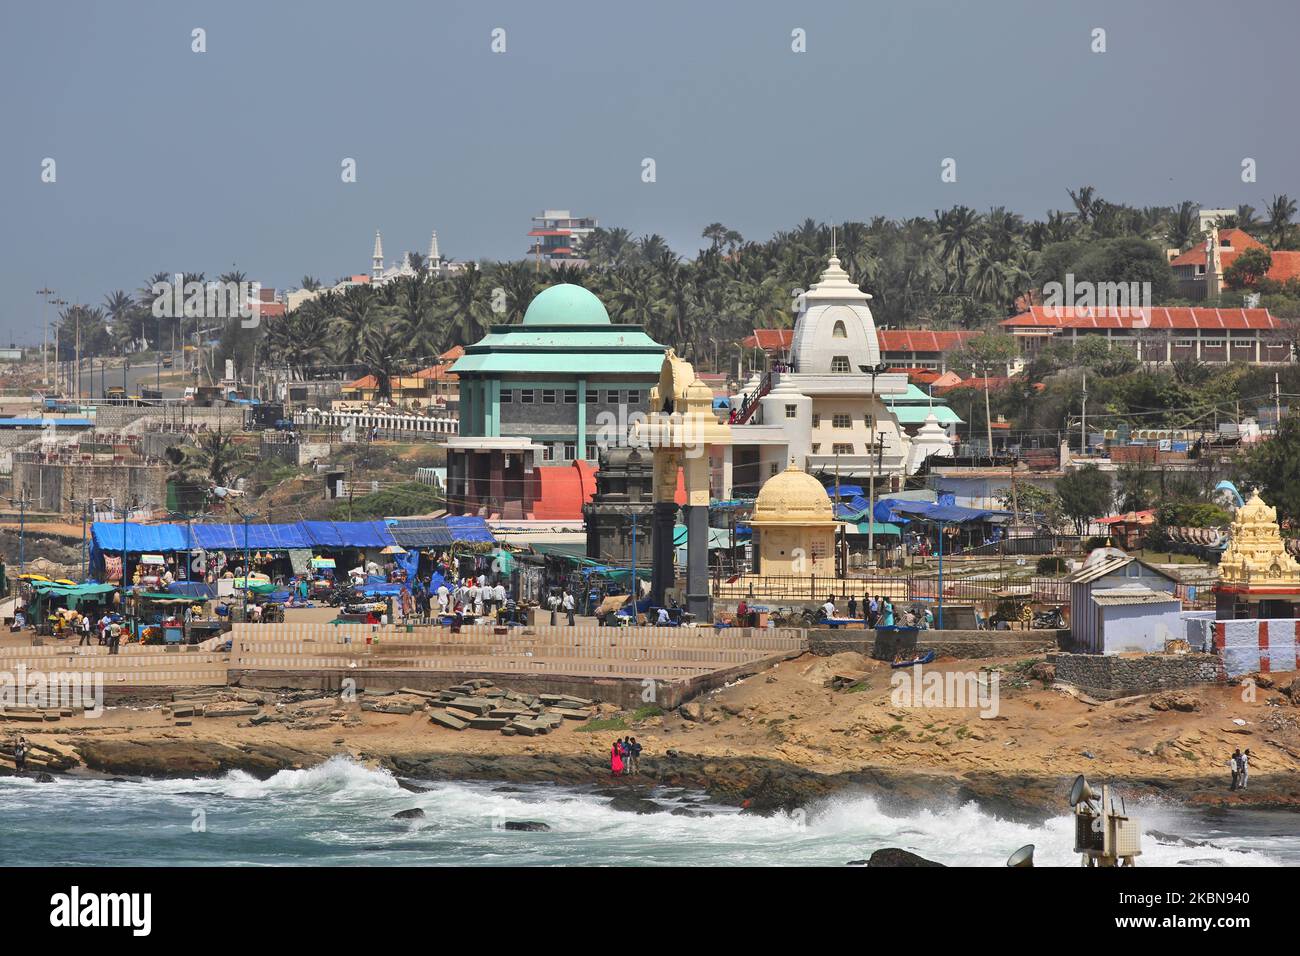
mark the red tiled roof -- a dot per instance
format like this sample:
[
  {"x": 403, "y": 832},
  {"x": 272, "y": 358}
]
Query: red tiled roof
[
  {"x": 994, "y": 383},
  {"x": 366, "y": 381},
  {"x": 915, "y": 340},
  {"x": 1069, "y": 317},
  {"x": 769, "y": 340},
  {"x": 436, "y": 373},
  {"x": 1238, "y": 242},
  {"x": 1131, "y": 517},
  {"x": 550, "y": 232},
  {"x": 270, "y": 310},
  {"x": 453, "y": 353},
  {"x": 891, "y": 340}
]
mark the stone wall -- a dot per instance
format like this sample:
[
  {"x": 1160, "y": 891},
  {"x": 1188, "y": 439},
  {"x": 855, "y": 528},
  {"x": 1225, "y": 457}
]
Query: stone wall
[
  {"x": 1109, "y": 676},
  {"x": 971, "y": 645},
  {"x": 51, "y": 485},
  {"x": 116, "y": 417}
]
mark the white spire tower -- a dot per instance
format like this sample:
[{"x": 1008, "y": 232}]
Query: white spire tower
[
  {"x": 377, "y": 258},
  {"x": 435, "y": 259}
]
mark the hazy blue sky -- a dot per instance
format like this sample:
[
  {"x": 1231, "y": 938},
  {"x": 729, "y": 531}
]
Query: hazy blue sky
[{"x": 172, "y": 160}]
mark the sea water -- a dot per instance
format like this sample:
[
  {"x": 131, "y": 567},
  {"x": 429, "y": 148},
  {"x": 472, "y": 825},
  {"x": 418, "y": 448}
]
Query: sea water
[{"x": 341, "y": 813}]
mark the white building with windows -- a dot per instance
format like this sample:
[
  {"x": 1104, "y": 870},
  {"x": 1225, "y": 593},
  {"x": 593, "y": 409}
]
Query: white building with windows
[{"x": 828, "y": 409}]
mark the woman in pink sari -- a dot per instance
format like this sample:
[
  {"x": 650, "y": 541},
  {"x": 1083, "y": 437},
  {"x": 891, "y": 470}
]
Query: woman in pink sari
[{"x": 616, "y": 759}]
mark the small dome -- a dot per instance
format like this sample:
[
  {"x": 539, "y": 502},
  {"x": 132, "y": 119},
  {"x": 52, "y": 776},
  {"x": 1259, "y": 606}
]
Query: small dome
[
  {"x": 793, "y": 497},
  {"x": 566, "y": 304}
]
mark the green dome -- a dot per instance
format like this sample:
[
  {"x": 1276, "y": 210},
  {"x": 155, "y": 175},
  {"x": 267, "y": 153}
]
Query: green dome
[{"x": 566, "y": 304}]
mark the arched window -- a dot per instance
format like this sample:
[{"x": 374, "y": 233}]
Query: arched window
[{"x": 839, "y": 331}]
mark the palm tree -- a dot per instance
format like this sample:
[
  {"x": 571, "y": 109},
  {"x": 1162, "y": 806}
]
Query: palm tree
[
  {"x": 467, "y": 312},
  {"x": 1183, "y": 225},
  {"x": 1247, "y": 221},
  {"x": 359, "y": 316},
  {"x": 957, "y": 229},
  {"x": 1084, "y": 203},
  {"x": 310, "y": 283},
  {"x": 1280, "y": 213},
  {"x": 215, "y": 461},
  {"x": 517, "y": 283}
]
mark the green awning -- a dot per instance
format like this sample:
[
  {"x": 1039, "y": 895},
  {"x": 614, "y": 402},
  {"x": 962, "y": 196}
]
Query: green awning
[
  {"x": 917, "y": 414},
  {"x": 880, "y": 527}
]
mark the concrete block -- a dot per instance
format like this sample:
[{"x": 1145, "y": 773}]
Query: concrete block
[
  {"x": 488, "y": 723},
  {"x": 447, "y": 720}
]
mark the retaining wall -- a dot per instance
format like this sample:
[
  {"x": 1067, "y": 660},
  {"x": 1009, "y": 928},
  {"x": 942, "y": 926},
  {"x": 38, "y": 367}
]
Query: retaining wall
[
  {"x": 1109, "y": 676},
  {"x": 971, "y": 645}
]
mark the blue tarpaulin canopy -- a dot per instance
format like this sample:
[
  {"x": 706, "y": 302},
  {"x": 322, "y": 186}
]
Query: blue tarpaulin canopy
[
  {"x": 421, "y": 533},
  {"x": 469, "y": 529},
  {"x": 140, "y": 538},
  {"x": 230, "y": 537},
  {"x": 347, "y": 534},
  {"x": 946, "y": 513}
]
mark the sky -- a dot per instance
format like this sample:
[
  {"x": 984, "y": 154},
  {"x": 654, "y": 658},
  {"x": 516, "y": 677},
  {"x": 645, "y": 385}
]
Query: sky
[{"x": 167, "y": 159}]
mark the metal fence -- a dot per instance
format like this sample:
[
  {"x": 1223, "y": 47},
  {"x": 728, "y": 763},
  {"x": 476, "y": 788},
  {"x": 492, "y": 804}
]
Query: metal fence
[{"x": 909, "y": 587}]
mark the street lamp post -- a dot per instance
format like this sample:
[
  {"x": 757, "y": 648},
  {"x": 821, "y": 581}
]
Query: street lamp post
[
  {"x": 874, "y": 449},
  {"x": 45, "y": 344}
]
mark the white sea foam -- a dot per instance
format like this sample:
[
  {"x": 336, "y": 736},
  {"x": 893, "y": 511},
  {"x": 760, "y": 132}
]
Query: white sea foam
[{"x": 342, "y": 812}]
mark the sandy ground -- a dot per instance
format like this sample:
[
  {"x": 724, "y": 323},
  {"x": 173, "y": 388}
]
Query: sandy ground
[{"x": 784, "y": 718}]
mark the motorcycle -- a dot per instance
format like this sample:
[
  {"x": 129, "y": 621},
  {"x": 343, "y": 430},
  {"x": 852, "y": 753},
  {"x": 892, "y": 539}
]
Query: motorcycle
[{"x": 1051, "y": 619}]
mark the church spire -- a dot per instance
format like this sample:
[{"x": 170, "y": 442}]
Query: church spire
[
  {"x": 434, "y": 258},
  {"x": 377, "y": 258}
]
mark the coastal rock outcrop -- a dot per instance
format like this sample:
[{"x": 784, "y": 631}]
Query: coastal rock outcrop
[{"x": 893, "y": 856}]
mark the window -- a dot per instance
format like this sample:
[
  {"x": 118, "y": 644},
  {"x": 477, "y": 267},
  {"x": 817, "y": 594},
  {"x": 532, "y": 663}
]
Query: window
[
  {"x": 570, "y": 396},
  {"x": 525, "y": 396},
  {"x": 842, "y": 420},
  {"x": 838, "y": 449},
  {"x": 771, "y": 469},
  {"x": 593, "y": 396},
  {"x": 816, "y": 448},
  {"x": 817, "y": 420},
  {"x": 840, "y": 363},
  {"x": 548, "y": 452},
  {"x": 634, "y": 396},
  {"x": 507, "y": 396},
  {"x": 570, "y": 450},
  {"x": 612, "y": 396},
  {"x": 792, "y": 411},
  {"x": 1212, "y": 343},
  {"x": 593, "y": 453},
  {"x": 548, "y": 396},
  {"x": 839, "y": 332},
  {"x": 1185, "y": 343}
]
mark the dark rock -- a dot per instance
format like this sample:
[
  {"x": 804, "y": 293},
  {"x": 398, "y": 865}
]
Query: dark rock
[
  {"x": 893, "y": 856},
  {"x": 415, "y": 813},
  {"x": 528, "y": 825},
  {"x": 689, "y": 812},
  {"x": 631, "y": 803},
  {"x": 412, "y": 787},
  {"x": 508, "y": 790}
]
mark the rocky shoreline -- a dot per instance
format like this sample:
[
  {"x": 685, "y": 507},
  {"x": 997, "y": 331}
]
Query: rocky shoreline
[{"x": 755, "y": 783}]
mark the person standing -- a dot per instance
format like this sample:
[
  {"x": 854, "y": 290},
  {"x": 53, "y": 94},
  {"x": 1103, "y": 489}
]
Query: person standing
[
  {"x": 853, "y": 607},
  {"x": 886, "y": 613},
  {"x": 633, "y": 756},
  {"x": 20, "y": 755},
  {"x": 1234, "y": 763},
  {"x": 1245, "y": 768},
  {"x": 616, "y": 758},
  {"x": 114, "y": 637},
  {"x": 85, "y": 631},
  {"x": 567, "y": 601}
]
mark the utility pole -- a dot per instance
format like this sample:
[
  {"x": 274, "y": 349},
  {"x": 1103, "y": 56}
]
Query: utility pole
[
  {"x": 988, "y": 417},
  {"x": 22, "y": 501},
  {"x": 876, "y": 451},
  {"x": 1277, "y": 403},
  {"x": 1083, "y": 419},
  {"x": 45, "y": 329}
]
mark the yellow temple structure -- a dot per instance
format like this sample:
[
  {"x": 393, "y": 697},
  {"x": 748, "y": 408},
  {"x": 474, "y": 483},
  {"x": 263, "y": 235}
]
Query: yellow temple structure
[
  {"x": 794, "y": 526},
  {"x": 1257, "y": 578}
]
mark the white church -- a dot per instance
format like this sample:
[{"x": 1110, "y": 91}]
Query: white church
[{"x": 833, "y": 408}]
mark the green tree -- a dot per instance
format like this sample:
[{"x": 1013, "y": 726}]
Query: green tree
[
  {"x": 1273, "y": 466},
  {"x": 1248, "y": 268},
  {"x": 1085, "y": 494}
]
